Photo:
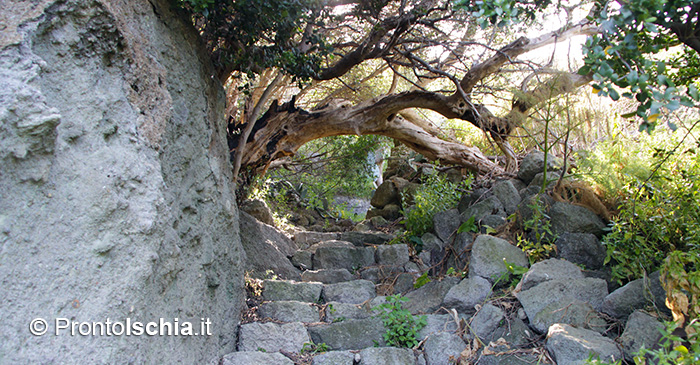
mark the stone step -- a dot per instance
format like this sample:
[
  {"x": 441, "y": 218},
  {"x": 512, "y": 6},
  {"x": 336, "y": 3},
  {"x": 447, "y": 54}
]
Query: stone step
[{"x": 334, "y": 307}]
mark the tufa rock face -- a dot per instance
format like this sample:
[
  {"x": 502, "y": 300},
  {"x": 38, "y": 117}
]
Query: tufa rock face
[{"x": 114, "y": 187}]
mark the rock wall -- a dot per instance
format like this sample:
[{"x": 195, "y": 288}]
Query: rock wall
[{"x": 114, "y": 184}]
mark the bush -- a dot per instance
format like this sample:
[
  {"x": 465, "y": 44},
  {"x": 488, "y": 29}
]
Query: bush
[
  {"x": 655, "y": 181},
  {"x": 435, "y": 195},
  {"x": 401, "y": 326}
]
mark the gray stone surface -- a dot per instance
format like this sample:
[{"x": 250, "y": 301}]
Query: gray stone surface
[
  {"x": 569, "y": 311},
  {"x": 386, "y": 193},
  {"x": 485, "y": 322},
  {"x": 256, "y": 357},
  {"x": 573, "y": 346},
  {"x": 637, "y": 294},
  {"x": 467, "y": 294},
  {"x": 334, "y": 358},
  {"x": 355, "y": 291},
  {"x": 337, "y": 311},
  {"x": 446, "y": 224},
  {"x": 566, "y": 217},
  {"x": 289, "y": 311},
  {"x": 115, "y": 195},
  {"x": 431, "y": 242},
  {"x": 536, "y": 299},
  {"x": 581, "y": 248},
  {"x": 327, "y": 276},
  {"x": 437, "y": 323},
  {"x": 267, "y": 249},
  {"x": 302, "y": 259},
  {"x": 429, "y": 297},
  {"x": 508, "y": 195},
  {"x": 389, "y": 212},
  {"x": 272, "y": 337},
  {"x": 487, "y": 257},
  {"x": 533, "y": 164},
  {"x": 403, "y": 282},
  {"x": 549, "y": 270},
  {"x": 366, "y": 238},
  {"x": 468, "y": 200},
  {"x": 350, "y": 258},
  {"x": 481, "y": 209},
  {"x": 641, "y": 330},
  {"x": 514, "y": 331},
  {"x": 387, "y": 355},
  {"x": 395, "y": 255},
  {"x": 259, "y": 210},
  {"x": 291, "y": 290},
  {"x": 535, "y": 185},
  {"x": 351, "y": 334},
  {"x": 307, "y": 238},
  {"x": 442, "y": 347},
  {"x": 329, "y": 243},
  {"x": 492, "y": 221}
]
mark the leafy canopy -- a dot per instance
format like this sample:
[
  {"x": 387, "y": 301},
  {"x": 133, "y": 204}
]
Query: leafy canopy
[{"x": 646, "y": 48}]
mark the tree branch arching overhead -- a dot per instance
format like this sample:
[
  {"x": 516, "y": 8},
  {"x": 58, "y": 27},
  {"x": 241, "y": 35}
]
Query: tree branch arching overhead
[{"x": 405, "y": 36}]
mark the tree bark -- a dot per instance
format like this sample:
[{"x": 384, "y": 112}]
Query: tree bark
[{"x": 285, "y": 128}]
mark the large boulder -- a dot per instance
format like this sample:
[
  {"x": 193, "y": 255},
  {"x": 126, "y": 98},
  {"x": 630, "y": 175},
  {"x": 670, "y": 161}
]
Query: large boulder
[
  {"x": 636, "y": 294},
  {"x": 272, "y": 337},
  {"x": 429, "y": 297},
  {"x": 508, "y": 195},
  {"x": 573, "y": 346},
  {"x": 446, "y": 224},
  {"x": 642, "y": 330},
  {"x": 388, "y": 193},
  {"x": 533, "y": 164},
  {"x": 549, "y": 300},
  {"x": 258, "y": 209},
  {"x": 469, "y": 293},
  {"x": 267, "y": 249},
  {"x": 581, "y": 248},
  {"x": 488, "y": 255},
  {"x": 115, "y": 193},
  {"x": 350, "y": 334},
  {"x": 567, "y": 217}
]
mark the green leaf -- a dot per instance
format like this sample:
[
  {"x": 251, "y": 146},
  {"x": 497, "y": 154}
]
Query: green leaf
[
  {"x": 468, "y": 226},
  {"x": 613, "y": 94}
]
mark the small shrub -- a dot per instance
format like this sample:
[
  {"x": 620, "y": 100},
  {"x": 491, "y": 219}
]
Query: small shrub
[
  {"x": 435, "y": 195},
  {"x": 401, "y": 326},
  {"x": 540, "y": 227},
  {"x": 313, "y": 348}
]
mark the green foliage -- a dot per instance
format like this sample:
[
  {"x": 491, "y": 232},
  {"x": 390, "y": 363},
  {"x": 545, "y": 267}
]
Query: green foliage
[
  {"x": 668, "y": 353},
  {"x": 680, "y": 275},
  {"x": 513, "y": 275},
  {"x": 252, "y": 35},
  {"x": 333, "y": 166},
  {"x": 628, "y": 58},
  {"x": 436, "y": 194},
  {"x": 623, "y": 56},
  {"x": 468, "y": 226},
  {"x": 313, "y": 348},
  {"x": 661, "y": 215},
  {"x": 421, "y": 280},
  {"x": 401, "y": 326},
  {"x": 539, "y": 227},
  {"x": 502, "y": 12}
]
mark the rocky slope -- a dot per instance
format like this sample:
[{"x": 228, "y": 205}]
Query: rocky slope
[{"x": 558, "y": 312}]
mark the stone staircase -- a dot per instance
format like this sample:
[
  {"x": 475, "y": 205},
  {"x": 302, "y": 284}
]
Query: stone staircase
[
  {"x": 558, "y": 313},
  {"x": 331, "y": 309}
]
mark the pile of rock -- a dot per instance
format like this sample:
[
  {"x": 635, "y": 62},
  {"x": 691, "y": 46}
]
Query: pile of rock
[{"x": 557, "y": 306}]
